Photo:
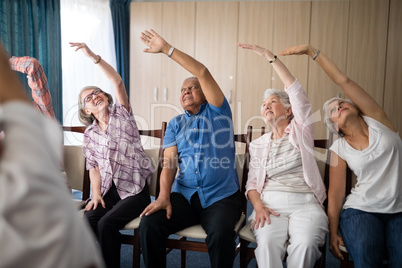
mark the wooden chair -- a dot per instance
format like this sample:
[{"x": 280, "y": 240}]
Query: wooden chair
[
  {"x": 78, "y": 177},
  {"x": 156, "y": 156},
  {"x": 196, "y": 233},
  {"x": 246, "y": 235},
  {"x": 74, "y": 167}
]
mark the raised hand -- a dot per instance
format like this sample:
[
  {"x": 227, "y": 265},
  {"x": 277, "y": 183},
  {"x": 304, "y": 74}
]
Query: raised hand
[
  {"x": 257, "y": 49},
  {"x": 154, "y": 42},
  {"x": 299, "y": 50},
  {"x": 83, "y": 47}
]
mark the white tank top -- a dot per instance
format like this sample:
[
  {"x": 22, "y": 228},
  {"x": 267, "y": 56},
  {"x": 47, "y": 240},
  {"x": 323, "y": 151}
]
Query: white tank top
[{"x": 378, "y": 170}]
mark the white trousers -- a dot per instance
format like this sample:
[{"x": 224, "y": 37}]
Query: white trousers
[{"x": 299, "y": 230}]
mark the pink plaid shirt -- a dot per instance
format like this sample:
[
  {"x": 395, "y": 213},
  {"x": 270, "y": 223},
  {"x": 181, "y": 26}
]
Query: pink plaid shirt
[
  {"x": 37, "y": 81},
  {"x": 118, "y": 153}
]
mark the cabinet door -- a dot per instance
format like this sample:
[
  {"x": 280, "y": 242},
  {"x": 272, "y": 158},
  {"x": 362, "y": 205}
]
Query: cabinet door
[
  {"x": 329, "y": 31},
  {"x": 215, "y": 47},
  {"x": 291, "y": 27},
  {"x": 367, "y": 45},
  {"x": 393, "y": 77},
  {"x": 178, "y": 30},
  {"x": 145, "y": 68},
  {"x": 254, "y": 73}
]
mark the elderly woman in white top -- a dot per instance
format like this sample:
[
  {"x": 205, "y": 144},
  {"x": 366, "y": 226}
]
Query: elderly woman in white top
[
  {"x": 284, "y": 184},
  {"x": 371, "y": 218}
]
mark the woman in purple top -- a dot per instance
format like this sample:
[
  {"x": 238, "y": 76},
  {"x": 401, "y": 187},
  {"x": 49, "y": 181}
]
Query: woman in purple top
[{"x": 118, "y": 167}]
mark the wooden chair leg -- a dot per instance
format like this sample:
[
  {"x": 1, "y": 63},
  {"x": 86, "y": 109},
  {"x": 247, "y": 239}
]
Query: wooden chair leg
[
  {"x": 136, "y": 250},
  {"x": 346, "y": 263},
  {"x": 183, "y": 254},
  {"x": 243, "y": 253}
]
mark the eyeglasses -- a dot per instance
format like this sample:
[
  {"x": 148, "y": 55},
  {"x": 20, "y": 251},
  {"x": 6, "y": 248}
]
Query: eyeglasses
[{"x": 89, "y": 96}]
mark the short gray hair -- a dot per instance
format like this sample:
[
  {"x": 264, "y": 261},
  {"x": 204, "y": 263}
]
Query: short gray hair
[
  {"x": 88, "y": 119},
  {"x": 328, "y": 121},
  {"x": 283, "y": 97}
]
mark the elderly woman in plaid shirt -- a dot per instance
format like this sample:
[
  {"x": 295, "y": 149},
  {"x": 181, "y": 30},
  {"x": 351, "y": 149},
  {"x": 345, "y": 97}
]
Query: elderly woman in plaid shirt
[{"x": 119, "y": 169}]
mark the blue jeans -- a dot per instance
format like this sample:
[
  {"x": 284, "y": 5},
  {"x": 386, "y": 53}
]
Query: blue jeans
[{"x": 372, "y": 237}]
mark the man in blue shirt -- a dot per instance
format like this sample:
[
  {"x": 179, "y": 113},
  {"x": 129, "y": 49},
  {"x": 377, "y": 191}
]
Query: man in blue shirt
[{"x": 200, "y": 143}]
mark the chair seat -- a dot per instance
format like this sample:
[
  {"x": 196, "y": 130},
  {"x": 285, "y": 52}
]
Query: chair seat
[
  {"x": 134, "y": 224},
  {"x": 343, "y": 248},
  {"x": 196, "y": 231},
  {"x": 246, "y": 233}
]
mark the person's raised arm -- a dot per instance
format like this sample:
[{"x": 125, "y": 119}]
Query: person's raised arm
[
  {"x": 37, "y": 81},
  {"x": 211, "y": 90},
  {"x": 109, "y": 71},
  {"x": 367, "y": 105},
  {"x": 166, "y": 181},
  {"x": 283, "y": 72},
  {"x": 10, "y": 87}
]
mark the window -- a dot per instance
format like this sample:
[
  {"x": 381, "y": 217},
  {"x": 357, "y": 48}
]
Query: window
[{"x": 87, "y": 21}]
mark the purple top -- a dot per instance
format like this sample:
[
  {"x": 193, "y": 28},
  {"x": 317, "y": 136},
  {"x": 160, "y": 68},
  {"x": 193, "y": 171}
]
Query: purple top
[{"x": 118, "y": 153}]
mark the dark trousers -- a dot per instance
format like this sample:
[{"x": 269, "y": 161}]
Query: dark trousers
[
  {"x": 218, "y": 221},
  {"x": 107, "y": 222}
]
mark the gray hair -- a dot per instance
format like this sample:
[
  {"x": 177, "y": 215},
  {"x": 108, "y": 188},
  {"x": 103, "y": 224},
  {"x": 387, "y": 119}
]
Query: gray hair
[
  {"x": 88, "y": 119},
  {"x": 283, "y": 97},
  {"x": 327, "y": 119}
]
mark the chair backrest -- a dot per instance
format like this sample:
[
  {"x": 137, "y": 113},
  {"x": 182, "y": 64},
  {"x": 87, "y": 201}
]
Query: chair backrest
[
  {"x": 75, "y": 162},
  {"x": 156, "y": 157},
  {"x": 242, "y": 163}
]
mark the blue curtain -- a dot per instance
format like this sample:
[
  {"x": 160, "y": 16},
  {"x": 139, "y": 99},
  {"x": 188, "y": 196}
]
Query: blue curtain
[
  {"x": 32, "y": 28},
  {"x": 121, "y": 26}
]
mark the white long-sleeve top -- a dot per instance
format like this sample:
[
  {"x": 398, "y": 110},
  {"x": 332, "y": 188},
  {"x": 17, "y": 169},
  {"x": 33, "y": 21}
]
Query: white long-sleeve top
[{"x": 39, "y": 224}]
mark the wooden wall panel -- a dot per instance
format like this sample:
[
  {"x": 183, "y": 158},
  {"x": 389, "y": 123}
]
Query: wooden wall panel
[
  {"x": 329, "y": 31},
  {"x": 253, "y": 71},
  {"x": 291, "y": 28},
  {"x": 393, "y": 76},
  {"x": 367, "y": 45}
]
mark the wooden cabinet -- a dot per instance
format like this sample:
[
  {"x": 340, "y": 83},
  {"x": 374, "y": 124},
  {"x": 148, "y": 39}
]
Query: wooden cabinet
[
  {"x": 216, "y": 37},
  {"x": 155, "y": 79},
  {"x": 145, "y": 69},
  {"x": 254, "y": 73},
  {"x": 361, "y": 37},
  {"x": 329, "y": 28},
  {"x": 393, "y": 69}
]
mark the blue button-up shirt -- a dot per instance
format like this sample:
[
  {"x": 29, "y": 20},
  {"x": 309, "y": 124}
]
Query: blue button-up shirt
[{"x": 206, "y": 153}]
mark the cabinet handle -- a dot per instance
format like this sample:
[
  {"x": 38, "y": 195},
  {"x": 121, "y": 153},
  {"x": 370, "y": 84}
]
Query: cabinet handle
[
  {"x": 165, "y": 94},
  {"x": 230, "y": 96},
  {"x": 156, "y": 94}
]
